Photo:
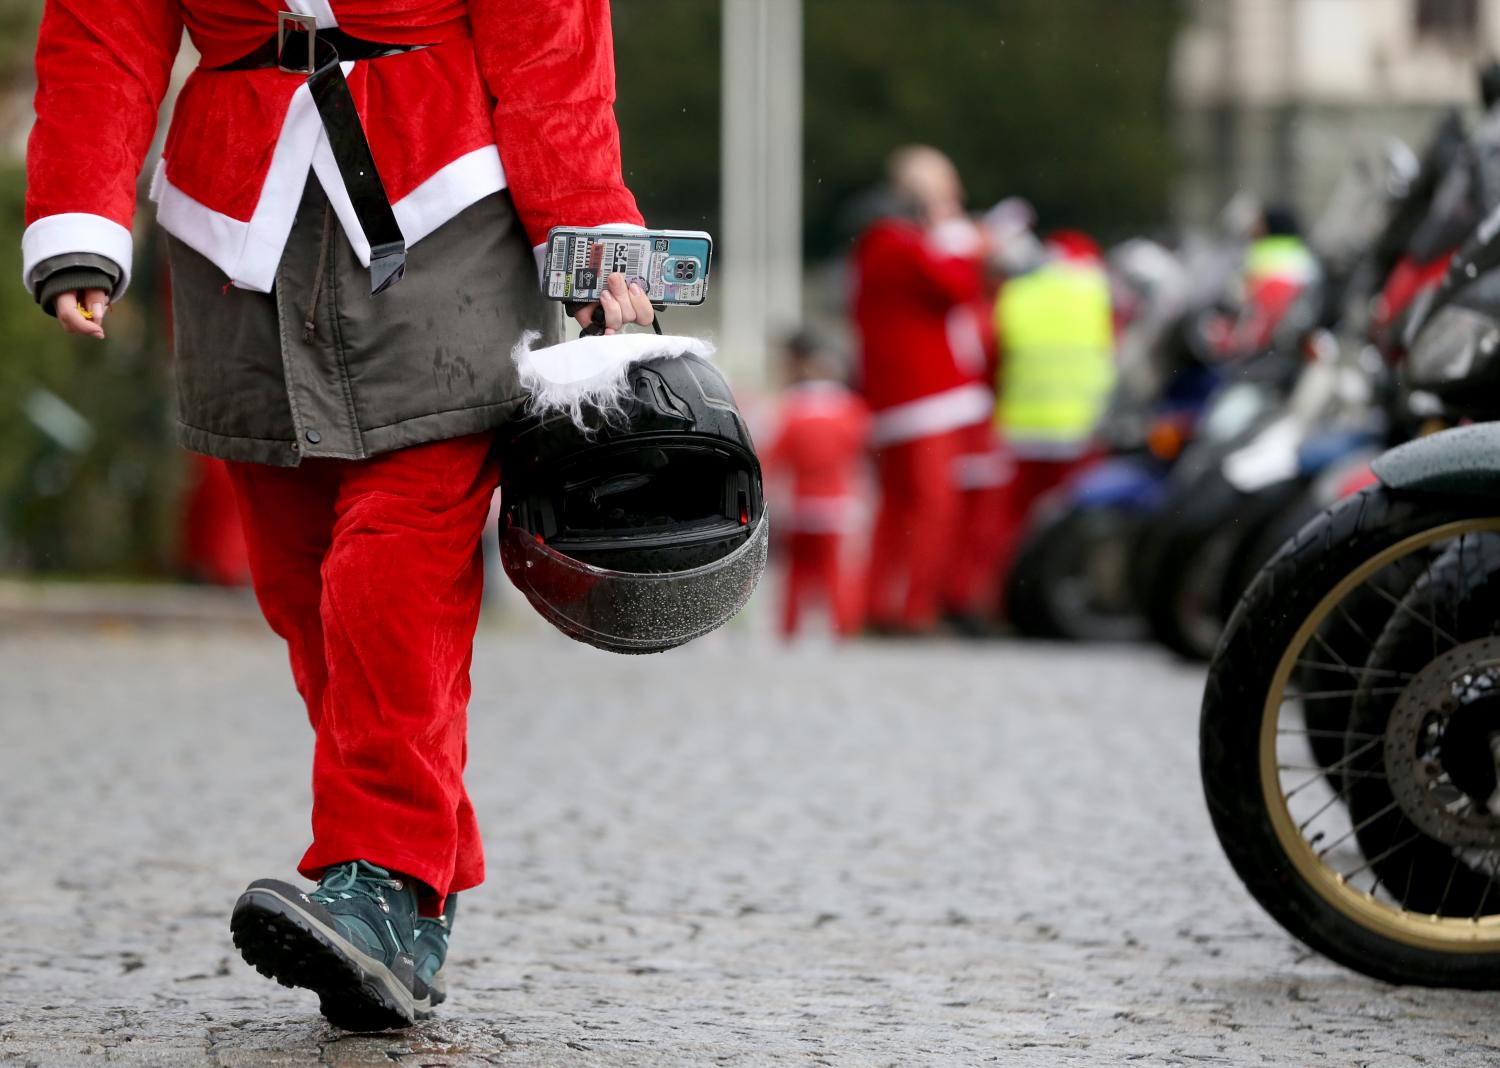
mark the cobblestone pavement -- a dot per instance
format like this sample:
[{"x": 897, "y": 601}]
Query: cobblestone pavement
[{"x": 942, "y": 854}]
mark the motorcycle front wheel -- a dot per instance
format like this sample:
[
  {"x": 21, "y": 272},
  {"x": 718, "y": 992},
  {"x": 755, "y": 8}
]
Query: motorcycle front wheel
[{"x": 1284, "y": 818}]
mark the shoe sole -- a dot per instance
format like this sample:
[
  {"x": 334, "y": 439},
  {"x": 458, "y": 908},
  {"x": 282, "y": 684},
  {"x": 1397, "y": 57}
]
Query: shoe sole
[
  {"x": 356, "y": 992},
  {"x": 437, "y": 994}
]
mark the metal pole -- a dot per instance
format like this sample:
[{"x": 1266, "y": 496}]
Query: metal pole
[{"x": 760, "y": 247}]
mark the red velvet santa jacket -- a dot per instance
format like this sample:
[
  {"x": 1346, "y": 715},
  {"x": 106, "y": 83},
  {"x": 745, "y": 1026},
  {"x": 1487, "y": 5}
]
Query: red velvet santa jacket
[
  {"x": 817, "y": 449},
  {"x": 922, "y": 360},
  {"x": 513, "y": 93}
]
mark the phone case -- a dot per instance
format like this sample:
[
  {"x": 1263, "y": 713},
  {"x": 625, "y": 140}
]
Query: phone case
[{"x": 671, "y": 265}]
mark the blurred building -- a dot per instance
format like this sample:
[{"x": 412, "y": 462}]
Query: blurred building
[{"x": 1274, "y": 96}]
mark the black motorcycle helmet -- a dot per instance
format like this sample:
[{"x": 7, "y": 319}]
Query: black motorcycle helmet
[{"x": 641, "y": 525}]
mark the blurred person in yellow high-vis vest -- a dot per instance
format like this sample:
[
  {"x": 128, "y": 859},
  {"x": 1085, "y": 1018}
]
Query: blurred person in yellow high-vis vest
[{"x": 1055, "y": 328}]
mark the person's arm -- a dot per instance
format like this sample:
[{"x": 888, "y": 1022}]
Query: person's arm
[
  {"x": 951, "y": 265},
  {"x": 551, "y": 70},
  {"x": 102, "y": 70},
  {"x": 918, "y": 265}
]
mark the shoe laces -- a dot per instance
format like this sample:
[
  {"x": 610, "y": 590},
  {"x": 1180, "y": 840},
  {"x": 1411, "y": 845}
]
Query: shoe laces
[{"x": 356, "y": 878}]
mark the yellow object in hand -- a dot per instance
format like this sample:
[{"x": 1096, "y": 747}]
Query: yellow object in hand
[{"x": 86, "y": 313}]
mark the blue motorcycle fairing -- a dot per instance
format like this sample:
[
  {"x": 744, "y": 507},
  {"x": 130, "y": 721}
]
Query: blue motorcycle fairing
[
  {"x": 1135, "y": 482},
  {"x": 1320, "y": 452}
]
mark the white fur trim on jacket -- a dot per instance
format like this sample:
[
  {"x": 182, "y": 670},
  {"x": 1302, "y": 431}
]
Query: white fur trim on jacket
[
  {"x": 320, "y": 8},
  {"x": 937, "y": 413},
  {"x": 591, "y": 370},
  {"x": 248, "y": 252},
  {"x": 76, "y": 231}
]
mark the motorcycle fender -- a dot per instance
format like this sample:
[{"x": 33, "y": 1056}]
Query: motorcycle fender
[{"x": 1464, "y": 460}]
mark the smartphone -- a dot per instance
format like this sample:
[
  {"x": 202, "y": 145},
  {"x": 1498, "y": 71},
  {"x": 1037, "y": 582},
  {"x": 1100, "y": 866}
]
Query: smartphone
[{"x": 671, "y": 265}]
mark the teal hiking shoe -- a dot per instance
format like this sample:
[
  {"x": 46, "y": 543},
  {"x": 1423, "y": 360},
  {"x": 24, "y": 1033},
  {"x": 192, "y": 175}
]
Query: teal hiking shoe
[
  {"x": 350, "y": 940},
  {"x": 430, "y": 951}
]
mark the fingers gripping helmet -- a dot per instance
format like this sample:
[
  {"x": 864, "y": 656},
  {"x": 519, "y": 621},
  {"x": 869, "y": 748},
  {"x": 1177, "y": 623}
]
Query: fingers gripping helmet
[{"x": 635, "y": 522}]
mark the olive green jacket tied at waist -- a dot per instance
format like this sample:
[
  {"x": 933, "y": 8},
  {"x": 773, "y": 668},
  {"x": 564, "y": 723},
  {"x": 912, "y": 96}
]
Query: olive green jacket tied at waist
[{"x": 320, "y": 368}]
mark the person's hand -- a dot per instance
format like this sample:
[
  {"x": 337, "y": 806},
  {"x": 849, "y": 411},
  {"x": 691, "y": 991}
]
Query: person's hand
[
  {"x": 622, "y": 303},
  {"x": 70, "y": 311}
]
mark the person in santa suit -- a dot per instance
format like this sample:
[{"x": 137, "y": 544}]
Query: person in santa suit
[
  {"x": 918, "y": 272},
  {"x": 817, "y": 452},
  {"x": 353, "y": 216}
]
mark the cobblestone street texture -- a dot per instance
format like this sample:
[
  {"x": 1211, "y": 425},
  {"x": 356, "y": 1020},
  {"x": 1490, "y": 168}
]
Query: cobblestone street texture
[{"x": 882, "y": 855}]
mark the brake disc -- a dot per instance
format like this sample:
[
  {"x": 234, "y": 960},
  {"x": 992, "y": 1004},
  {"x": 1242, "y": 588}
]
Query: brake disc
[{"x": 1433, "y": 709}]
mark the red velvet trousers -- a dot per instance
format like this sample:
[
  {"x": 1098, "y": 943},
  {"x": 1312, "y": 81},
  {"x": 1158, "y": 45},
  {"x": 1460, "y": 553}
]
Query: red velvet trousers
[
  {"x": 815, "y": 572},
  {"x": 919, "y": 507},
  {"x": 371, "y": 571}
]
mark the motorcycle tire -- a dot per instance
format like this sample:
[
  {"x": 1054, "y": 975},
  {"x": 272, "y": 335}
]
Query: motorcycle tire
[
  {"x": 1241, "y": 733},
  {"x": 1261, "y": 512},
  {"x": 1346, "y": 636},
  {"x": 1069, "y": 579},
  {"x": 1185, "y": 565}
]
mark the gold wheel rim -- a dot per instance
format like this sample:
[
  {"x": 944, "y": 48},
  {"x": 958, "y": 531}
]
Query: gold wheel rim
[{"x": 1420, "y": 930}]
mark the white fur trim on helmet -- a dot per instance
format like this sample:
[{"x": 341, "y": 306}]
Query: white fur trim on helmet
[{"x": 591, "y": 371}]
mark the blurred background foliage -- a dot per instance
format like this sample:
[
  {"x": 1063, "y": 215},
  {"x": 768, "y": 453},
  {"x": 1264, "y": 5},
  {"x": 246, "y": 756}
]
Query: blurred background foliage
[{"x": 1063, "y": 102}]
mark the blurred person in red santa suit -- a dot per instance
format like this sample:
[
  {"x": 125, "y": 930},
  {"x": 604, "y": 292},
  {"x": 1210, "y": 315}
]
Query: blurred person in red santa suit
[
  {"x": 816, "y": 454},
  {"x": 353, "y": 193},
  {"x": 918, "y": 271},
  {"x": 984, "y": 467}
]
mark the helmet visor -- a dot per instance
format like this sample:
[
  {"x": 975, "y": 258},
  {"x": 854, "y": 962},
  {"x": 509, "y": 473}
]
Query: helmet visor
[{"x": 628, "y": 612}]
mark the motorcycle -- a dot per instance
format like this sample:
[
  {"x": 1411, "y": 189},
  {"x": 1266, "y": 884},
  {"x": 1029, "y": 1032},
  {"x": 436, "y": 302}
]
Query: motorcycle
[
  {"x": 1216, "y": 531},
  {"x": 1350, "y": 728},
  {"x": 1070, "y": 575}
]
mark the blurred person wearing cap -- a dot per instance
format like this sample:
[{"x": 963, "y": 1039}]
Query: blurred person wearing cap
[
  {"x": 1055, "y": 327},
  {"x": 1280, "y": 270},
  {"x": 816, "y": 457},
  {"x": 918, "y": 271}
]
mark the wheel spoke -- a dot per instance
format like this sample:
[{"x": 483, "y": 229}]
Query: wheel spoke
[
  {"x": 1488, "y": 886},
  {"x": 1448, "y": 886},
  {"x": 1311, "y": 732},
  {"x": 1361, "y": 825},
  {"x": 1371, "y": 861},
  {"x": 1347, "y": 772},
  {"x": 1353, "y": 623},
  {"x": 1431, "y": 623},
  {"x": 1337, "y": 765},
  {"x": 1331, "y": 695},
  {"x": 1324, "y": 807},
  {"x": 1358, "y": 672}
]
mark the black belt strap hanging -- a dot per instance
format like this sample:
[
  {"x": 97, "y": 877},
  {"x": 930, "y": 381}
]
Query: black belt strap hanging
[{"x": 301, "y": 48}]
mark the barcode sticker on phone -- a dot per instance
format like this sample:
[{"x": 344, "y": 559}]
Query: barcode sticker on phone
[{"x": 672, "y": 266}]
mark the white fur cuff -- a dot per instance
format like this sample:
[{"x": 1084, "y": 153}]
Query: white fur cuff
[{"x": 591, "y": 371}]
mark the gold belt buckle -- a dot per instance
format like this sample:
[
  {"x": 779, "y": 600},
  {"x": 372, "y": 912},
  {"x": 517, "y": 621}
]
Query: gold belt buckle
[{"x": 302, "y": 24}]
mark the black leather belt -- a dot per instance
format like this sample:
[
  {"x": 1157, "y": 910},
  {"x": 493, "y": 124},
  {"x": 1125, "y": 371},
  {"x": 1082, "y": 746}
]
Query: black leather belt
[{"x": 299, "y": 47}]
